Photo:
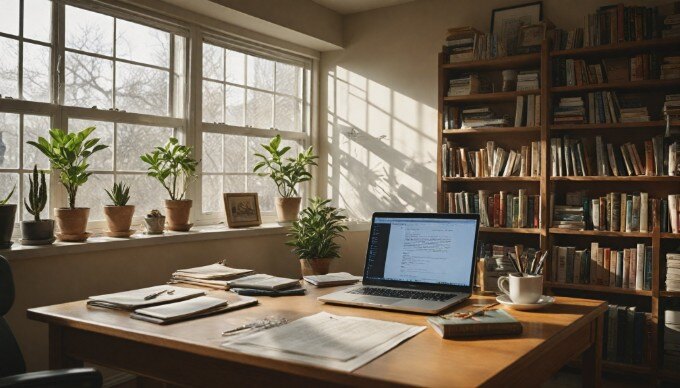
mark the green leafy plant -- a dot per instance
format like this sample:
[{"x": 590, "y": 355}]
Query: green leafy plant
[
  {"x": 119, "y": 194},
  {"x": 69, "y": 152},
  {"x": 285, "y": 172},
  {"x": 4, "y": 201},
  {"x": 173, "y": 166},
  {"x": 313, "y": 235},
  {"x": 37, "y": 194}
]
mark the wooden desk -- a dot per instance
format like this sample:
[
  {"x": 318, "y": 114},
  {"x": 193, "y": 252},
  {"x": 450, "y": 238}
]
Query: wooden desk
[{"x": 189, "y": 353}]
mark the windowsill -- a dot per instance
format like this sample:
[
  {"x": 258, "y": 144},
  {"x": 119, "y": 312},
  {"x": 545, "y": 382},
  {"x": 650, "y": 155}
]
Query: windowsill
[{"x": 199, "y": 233}]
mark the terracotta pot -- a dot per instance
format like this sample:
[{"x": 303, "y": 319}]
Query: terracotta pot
[
  {"x": 38, "y": 232},
  {"x": 315, "y": 266},
  {"x": 287, "y": 209},
  {"x": 154, "y": 225},
  {"x": 7, "y": 216},
  {"x": 177, "y": 213},
  {"x": 119, "y": 218},
  {"x": 72, "y": 223}
]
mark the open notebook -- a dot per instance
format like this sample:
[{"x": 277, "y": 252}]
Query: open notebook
[
  {"x": 134, "y": 299},
  {"x": 190, "y": 309}
]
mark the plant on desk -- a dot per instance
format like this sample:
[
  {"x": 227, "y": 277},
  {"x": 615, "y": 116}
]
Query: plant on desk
[
  {"x": 286, "y": 173},
  {"x": 69, "y": 153},
  {"x": 173, "y": 166},
  {"x": 313, "y": 236},
  {"x": 7, "y": 214},
  {"x": 119, "y": 213},
  {"x": 37, "y": 231}
]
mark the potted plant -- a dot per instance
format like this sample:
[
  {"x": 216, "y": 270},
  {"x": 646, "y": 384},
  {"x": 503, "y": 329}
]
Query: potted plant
[
  {"x": 313, "y": 236},
  {"x": 286, "y": 174},
  {"x": 154, "y": 222},
  {"x": 68, "y": 153},
  {"x": 119, "y": 214},
  {"x": 7, "y": 214},
  {"x": 173, "y": 166},
  {"x": 37, "y": 231}
]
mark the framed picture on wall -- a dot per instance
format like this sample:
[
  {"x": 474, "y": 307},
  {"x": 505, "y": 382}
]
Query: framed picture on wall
[
  {"x": 531, "y": 36},
  {"x": 506, "y": 22},
  {"x": 243, "y": 209}
]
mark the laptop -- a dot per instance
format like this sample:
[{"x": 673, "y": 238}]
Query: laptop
[{"x": 417, "y": 262}]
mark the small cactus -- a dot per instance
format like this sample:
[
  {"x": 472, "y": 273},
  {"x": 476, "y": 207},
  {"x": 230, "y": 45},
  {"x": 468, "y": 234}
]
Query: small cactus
[
  {"x": 154, "y": 214},
  {"x": 119, "y": 194},
  {"x": 4, "y": 201},
  {"x": 37, "y": 194}
]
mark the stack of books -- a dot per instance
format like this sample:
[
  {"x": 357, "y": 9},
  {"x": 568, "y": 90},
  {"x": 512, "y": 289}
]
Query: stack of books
[
  {"x": 491, "y": 161},
  {"x": 570, "y": 110},
  {"x": 465, "y": 85},
  {"x": 631, "y": 108},
  {"x": 629, "y": 268},
  {"x": 528, "y": 111},
  {"x": 567, "y": 40},
  {"x": 477, "y": 117},
  {"x": 627, "y": 333},
  {"x": 671, "y": 339},
  {"x": 670, "y": 219},
  {"x": 644, "y": 66},
  {"x": 673, "y": 272},
  {"x": 499, "y": 210},
  {"x": 215, "y": 276},
  {"x": 671, "y": 108},
  {"x": 490, "y": 46},
  {"x": 672, "y": 24},
  {"x": 568, "y": 217},
  {"x": 568, "y": 157},
  {"x": 670, "y": 69},
  {"x": 620, "y": 212},
  {"x": 528, "y": 80},
  {"x": 460, "y": 43},
  {"x": 616, "y": 23}
]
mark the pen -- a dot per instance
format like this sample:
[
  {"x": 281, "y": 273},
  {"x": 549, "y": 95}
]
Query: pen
[
  {"x": 541, "y": 261},
  {"x": 159, "y": 293}
]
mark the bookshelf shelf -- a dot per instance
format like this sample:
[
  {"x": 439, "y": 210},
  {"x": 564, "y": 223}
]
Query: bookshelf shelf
[
  {"x": 670, "y": 235},
  {"x": 490, "y": 97},
  {"x": 486, "y": 229},
  {"x": 668, "y": 374},
  {"x": 637, "y": 178},
  {"x": 601, "y": 233},
  {"x": 493, "y": 179},
  {"x": 670, "y": 294},
  {"x": 595, "y": 288},
  {"x": 485, "y": 130},
  {"x": 619, "y": 48},
  {"x": 612, "y": 126},
  {"x": 511, "y": 62},
  {"x": 651, "y": 84}
]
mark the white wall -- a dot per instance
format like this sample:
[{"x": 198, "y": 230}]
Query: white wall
[{"x": 378, "y": 116}]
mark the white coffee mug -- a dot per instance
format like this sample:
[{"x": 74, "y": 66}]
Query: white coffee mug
[{"x": 525, "y": 289}]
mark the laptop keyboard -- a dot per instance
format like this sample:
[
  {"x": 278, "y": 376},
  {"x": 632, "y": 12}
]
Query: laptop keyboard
[{"x": 404, "y": 294}]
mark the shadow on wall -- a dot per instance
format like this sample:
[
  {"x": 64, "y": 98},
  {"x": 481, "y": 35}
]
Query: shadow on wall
[{"x": 382, "y": 149}]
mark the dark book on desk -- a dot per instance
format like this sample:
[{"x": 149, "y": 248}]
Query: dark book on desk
[
  {"x": 264, "y": 282},
  {"x": 494, "y": 322},
  {"x": 201, "y": 306}
]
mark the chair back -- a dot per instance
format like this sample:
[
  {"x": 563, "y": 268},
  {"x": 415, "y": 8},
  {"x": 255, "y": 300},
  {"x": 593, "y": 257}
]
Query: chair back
[{"x": 11, "y": 359}]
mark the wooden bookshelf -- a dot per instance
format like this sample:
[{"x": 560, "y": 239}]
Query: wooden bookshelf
[{"x": 548, "y": 186}]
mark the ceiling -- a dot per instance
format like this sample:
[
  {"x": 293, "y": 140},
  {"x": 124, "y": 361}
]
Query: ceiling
[{"x": 347, "y": 7}]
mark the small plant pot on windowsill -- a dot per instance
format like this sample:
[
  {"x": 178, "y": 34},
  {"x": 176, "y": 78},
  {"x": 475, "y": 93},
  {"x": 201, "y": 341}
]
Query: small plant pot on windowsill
[
  {"x": 72, "y": 223},
  {"x": 154, "y": 225},
  {"x": 119, "y": 219},
  {"x": 178, "y": 212},
  {"x": 315, "y": 266},
  {"x": 37, "y": 232},
  {"x": 7, "y": 214},
  {"x": 287, "y": 209}
]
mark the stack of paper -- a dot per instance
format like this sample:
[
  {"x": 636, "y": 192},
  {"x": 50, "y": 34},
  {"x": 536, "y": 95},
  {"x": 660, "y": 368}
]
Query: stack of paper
[
  {"x": 212, "y": 276},
  {"x": 144, "y": 297},
  {"x": 190, "y": 309},
  {"x": 262, "y": 284},
  {"x": 332, "y": 279},
  {"x": 326, "y": 340}
]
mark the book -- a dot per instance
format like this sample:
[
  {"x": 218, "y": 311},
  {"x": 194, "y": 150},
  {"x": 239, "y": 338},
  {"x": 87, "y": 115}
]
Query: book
[
  {"x": 493, "y": 322},
  {"x": 191, "y": 309},
  {"x": 144, "y": 297},
  {"x": 332, "y": 279},
  {"x": 264, "y": 282}
]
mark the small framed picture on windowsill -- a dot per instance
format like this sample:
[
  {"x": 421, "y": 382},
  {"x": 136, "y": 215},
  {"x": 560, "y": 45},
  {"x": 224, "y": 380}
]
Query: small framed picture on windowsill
[{"x": 243, "y": 209}]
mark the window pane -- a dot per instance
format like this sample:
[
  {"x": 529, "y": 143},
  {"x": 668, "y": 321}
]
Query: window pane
[
  {"x": 9, "y": 17},
  {"x": 260, "y": 73},
  {"x": 9, "y": 141},
  {"x": 146, "y": 193},
  {"x": 234, "y": 183},
  {"x": 142, "y": 44},
  {"x": 212, "y": 193},
  {"x": 141, "y": 89},
  {"x": 102, "y": 160},
  {"x": 37, "y": 19},
  {"x": 26, "y": 192},
  {"x": 135, "y": 140},
  {"x": 7, "y": 182},
  {"x": 89, "y": 81},
  {"x": 213, "y": 62},
  {"x": 179, "y": 77},
  {"x": 288, "y": 114},
  {"x": 255, "y": 146},
  {"x": 287, "y": 77},
  {"x": 235, "y": 105},
  {"x": 236, "y": 67},
  {"x": 92, "y": 195},
  {"x": 36, "y": 72},
  {"x": 9, "y": 67},
  {"x": 88, "y": 31},
  {"x": 212, "y": 152},
  {"x": 266, "y": 190},
  {"x": 235, "y": 153},
  {"x": 259, "y": 109},
  {"x": 35, "y": 126},
  {"x": 213, "y": 102}
]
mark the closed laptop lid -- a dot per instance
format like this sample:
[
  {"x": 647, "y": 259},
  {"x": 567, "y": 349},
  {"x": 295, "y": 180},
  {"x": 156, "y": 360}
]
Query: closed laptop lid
[{"x": 429, "y": 251}]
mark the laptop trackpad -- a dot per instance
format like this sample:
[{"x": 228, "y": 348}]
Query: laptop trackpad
[{"x": 382, "y": 300}]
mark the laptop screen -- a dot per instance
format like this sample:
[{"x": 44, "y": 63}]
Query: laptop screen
[{"x": 437, "y": 251}]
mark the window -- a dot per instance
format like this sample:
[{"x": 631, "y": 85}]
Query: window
[{"x": 247, "y": 98}]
